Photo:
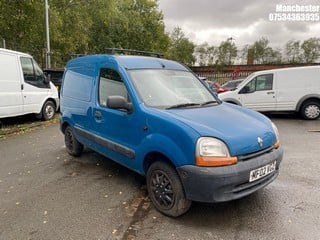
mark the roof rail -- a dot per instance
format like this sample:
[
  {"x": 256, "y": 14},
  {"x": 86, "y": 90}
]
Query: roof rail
[
  {"x": 75, "y": 55},
  {"x": 132, "y": 52}
]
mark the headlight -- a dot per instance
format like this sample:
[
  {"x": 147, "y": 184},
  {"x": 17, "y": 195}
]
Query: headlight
[
  {"x": 213, "y": 152},
  {"x": 276, "y": 133}
]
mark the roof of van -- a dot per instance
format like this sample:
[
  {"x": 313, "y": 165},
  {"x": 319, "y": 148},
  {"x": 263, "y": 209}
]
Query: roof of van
[
  {"x": 127, "y": 61},
  {"x": 3, "y": 50},
  {"x": 289, "y": 68}
]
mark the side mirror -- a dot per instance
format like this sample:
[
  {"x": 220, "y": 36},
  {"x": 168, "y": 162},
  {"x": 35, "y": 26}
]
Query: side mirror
[
  {"x": 46, "y": 78},
  {"x": 119, "y": 102}
]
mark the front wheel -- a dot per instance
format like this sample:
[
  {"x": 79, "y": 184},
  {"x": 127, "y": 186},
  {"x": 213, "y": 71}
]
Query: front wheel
[
  {"x": 165, "y": 190},
  {"x": 48, "y": 110},
  {"x": 310, "y": 110},
  {"x": 74, "y": 147}
]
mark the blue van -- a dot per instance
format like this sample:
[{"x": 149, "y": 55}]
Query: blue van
[{"x": 156, "y": 117}]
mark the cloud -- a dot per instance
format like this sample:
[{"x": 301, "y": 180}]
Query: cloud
[{"x": 246, "y": 21}]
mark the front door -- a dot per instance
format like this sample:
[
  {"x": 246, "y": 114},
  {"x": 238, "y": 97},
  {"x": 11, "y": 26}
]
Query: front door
[
  {"x": 259, "y": 93},
  {"x": 34, "y": 89},
  {"x": 119, "y": 132}
]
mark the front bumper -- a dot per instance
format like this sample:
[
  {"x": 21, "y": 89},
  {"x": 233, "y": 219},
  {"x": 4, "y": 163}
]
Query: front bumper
[{"x": 220, "y": 184}]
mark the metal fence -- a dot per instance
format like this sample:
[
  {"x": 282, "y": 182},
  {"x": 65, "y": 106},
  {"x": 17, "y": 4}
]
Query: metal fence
[{"x": 225, "y": 73}]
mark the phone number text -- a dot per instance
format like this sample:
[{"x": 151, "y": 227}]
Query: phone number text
[{"x": 282, "y": 17}]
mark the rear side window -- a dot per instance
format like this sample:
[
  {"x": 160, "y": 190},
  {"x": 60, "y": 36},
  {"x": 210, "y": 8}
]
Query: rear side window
[
  {"x": 32, "y": 73},
  {"x": 77, "y": 86},
  {"x": 110, "y": 84}
]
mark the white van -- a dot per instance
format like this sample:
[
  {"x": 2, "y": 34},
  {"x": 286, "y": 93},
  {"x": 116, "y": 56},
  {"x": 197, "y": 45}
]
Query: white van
[
  {"x": 24, "y": 88},
  {"x": 280, "y": 90}
]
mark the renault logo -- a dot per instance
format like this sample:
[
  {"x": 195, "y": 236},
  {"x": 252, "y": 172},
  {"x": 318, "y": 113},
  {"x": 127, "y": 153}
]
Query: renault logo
[{"x": 260, "y": 141}]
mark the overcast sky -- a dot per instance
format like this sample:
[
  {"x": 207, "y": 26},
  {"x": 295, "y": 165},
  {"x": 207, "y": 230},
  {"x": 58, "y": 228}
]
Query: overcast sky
[{"x": 246, "y": 21}]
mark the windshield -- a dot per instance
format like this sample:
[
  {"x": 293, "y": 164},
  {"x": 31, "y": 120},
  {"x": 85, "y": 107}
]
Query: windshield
[{"x": 170, "y": 88}]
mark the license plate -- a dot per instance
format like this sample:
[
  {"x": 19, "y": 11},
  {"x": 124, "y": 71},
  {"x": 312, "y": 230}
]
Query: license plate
[{"x": 263, "y": 171}]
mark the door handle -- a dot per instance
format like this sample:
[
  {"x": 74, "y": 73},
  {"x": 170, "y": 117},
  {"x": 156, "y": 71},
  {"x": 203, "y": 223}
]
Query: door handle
[
  {"x": 22, "y": 86},
  {"x": 97, "y": 115},
  {"x": 270, "y": 92}
]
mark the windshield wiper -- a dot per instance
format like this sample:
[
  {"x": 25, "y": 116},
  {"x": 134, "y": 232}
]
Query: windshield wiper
[
  {"x": 209, "y": 102},
  {"x": 182, "y": 105}
]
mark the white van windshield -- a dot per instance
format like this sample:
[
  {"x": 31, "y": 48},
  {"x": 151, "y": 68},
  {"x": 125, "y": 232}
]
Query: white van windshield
[{"x": 171, "y": 88}]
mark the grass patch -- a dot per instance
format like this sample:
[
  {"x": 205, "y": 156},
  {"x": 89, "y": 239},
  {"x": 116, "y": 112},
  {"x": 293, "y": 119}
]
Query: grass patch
[{"x": 22, "y": 124}]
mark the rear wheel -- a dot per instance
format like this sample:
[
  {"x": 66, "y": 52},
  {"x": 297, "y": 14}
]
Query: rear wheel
[
  {"x": 165, "y": 190},
  {"x": 74, "y": 147},
  {"x": 310, "y": 110}
]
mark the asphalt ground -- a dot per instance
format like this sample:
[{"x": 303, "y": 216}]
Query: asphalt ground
[{"x": 47, "y": 194}]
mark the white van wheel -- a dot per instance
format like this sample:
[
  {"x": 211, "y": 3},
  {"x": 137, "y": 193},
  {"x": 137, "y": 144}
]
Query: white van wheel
[
  {"x": 48, "y": 110},
  {"x": 310, "y": 110}
]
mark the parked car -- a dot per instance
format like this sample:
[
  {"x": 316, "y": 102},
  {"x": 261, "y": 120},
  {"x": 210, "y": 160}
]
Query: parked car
[
  {"x": 157, "y": 118},
  {"x": 23, "y": 87},
  {"x": 280, "y": 90},
  {"x": 231, "y": 84},
  {"x": 214, "y": 86},
  {"x": 218, "y": 88},
  {"x": 55, "y": 76}
]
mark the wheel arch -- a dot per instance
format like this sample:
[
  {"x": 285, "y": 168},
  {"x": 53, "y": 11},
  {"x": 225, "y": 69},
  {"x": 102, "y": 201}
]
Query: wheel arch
[
  {"x": 306, "y": 98},
  {"x": 63, "y": 126},
  {"x": 54, "y": 101},
  {"x": 154, "y": 156}
]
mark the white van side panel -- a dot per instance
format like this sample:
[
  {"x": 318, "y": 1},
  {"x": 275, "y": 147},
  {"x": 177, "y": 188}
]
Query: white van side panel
[
  {"x": 294, "y": 84},
  {"x": 11, "y": 101}
]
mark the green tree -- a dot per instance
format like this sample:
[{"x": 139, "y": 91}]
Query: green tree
[
  {"x": 293, "y": 51},
  {"x": 260, "y": 49},
  {"x": 205, "y": 54},
  {"x": 181, "y": 49},
  {"x": 130, "y": 25},
  {"x": 310, "y": 50},
  {"x": 227, "y": 52},
  {"x": 21, "y": 25},
  {"x": 82, "y": 26},
  {"x": 263, "y": 53},
  {"x": 69, "y": 29},
  {"x": 244, "y": 55}
]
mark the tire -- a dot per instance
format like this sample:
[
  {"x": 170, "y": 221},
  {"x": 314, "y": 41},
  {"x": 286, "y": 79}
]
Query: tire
[
  {"x": 74, "y": 147},
  {"x": 48, "y": 110},
  {"x": 165, "y": 190},
  {"x": 310, "y": 110}
]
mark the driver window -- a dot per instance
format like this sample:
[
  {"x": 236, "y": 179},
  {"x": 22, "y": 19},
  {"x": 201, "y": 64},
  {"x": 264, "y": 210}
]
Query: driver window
[
  {"x": 264, "y": 82},
  {"x": 260, "y": 83},
  {"x": 111, "y": 84},
  {"x": 251, "y": 86},
  {"x": 32, "y": 73}
]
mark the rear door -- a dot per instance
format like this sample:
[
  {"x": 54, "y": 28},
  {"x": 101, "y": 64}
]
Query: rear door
[{"x": 259, "y": 94}]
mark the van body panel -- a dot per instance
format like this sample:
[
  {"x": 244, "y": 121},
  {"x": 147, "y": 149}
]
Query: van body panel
[{"x": 11, "y": 98}]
